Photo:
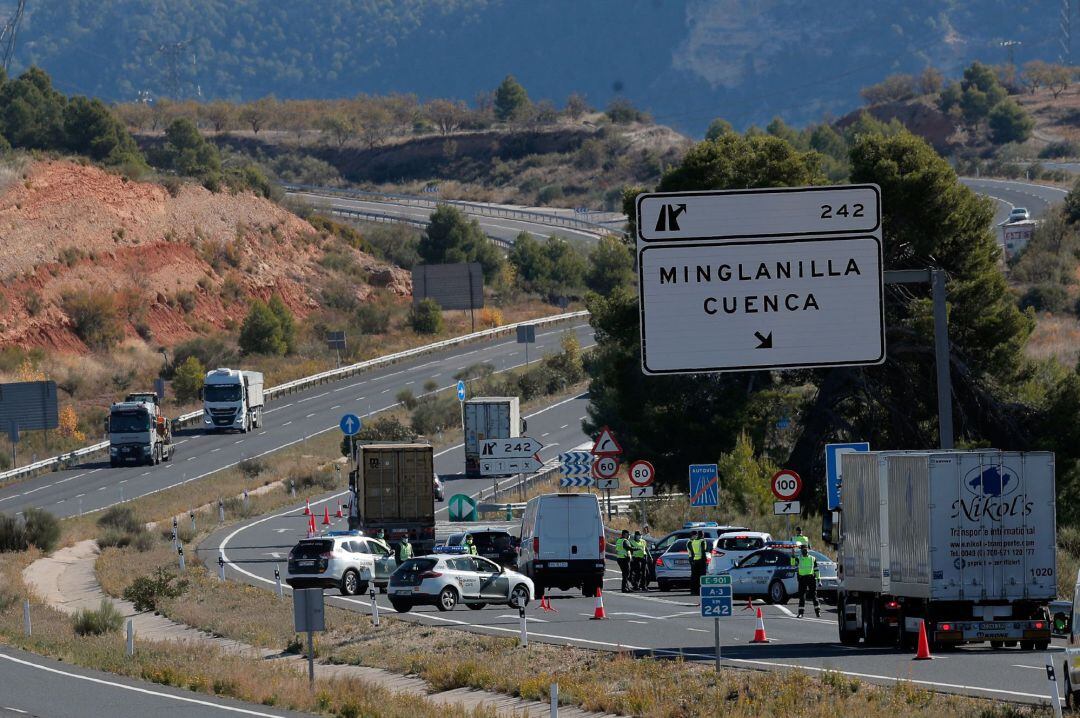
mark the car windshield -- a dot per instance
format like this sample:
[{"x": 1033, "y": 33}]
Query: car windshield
[
  {"x": 739, "y": 543},
  {"x": 311, "y": 549},
  {"x": 493, "y": 542},
  {"x": 666, "y": 542},
  {"x": 455, "y": 540},
  {"x": 221, "y": 392},
  {"x": 123, "y": 422},
  {"x": 678, "y": 547},
  {"x": 417, "y": 565}
]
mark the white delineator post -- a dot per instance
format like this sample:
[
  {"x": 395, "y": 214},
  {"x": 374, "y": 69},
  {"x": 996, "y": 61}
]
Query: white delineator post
[
  {"x": 374, "y": 607},
  {"x": 554, "y": 700},
  {"x": 27, "y": 628},
  {"x": 1055, "y": 694},
  {"x": 277, "y": 581},
  {"x": 130, "y": 639},
  {"x": 524, "y": 627}
]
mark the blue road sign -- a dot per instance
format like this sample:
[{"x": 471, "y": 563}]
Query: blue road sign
[
  {"x": 716, "y": 596},
  {"x": 350, "y": 424},
  {"x": 833, "y": 476},
  {"x": 704, "y": 485},
  {"x": 716, "y": 591},
  {"x": 577, "y": 463},
  {"x": 461, "y": 391},
  {"x": 577, "y": 481},
  {"x": 715, "y": 607}
]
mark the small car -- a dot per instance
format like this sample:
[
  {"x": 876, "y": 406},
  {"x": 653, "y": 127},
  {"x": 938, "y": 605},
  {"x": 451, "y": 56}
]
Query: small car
[
  {"x": 345, "y": 560},
  {"x": 673, "y": 566},
  {"x": 768, "y": 574},
  {"x": 734, "y": 546},
  {"x": 711, "y": 529},
  {"x": 445, "y": 580},
  {"x": 497, "y": 545},
  {"x": 439, "y": 494},
  {"x": 1019, "y": 214}
]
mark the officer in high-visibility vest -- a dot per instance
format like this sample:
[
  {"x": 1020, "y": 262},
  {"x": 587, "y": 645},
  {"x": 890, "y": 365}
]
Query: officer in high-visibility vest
[
  {"x": 807, "y": 570},
  {"x": 623, "y": 551},
  {"x": 799, "y": 538},
  {"x": 404, "y": 550},
  {"x": 640, "y": 554},
  {"x": 469, "y": 545},
  {"x": 697, "y": 549}
]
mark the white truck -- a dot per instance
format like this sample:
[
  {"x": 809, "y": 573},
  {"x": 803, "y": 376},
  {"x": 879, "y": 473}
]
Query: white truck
[
  {"x": 489, "y": 417},
  {"x": 963, "y": 541},
  {"x": 138, "y": 434},
  {"x": 232, "y": 399}
]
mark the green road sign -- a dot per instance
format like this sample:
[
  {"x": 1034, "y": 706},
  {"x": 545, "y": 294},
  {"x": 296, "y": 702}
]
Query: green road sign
[
  {"x": 462, "y": 508},
  {"x": 720, "y": 579}
]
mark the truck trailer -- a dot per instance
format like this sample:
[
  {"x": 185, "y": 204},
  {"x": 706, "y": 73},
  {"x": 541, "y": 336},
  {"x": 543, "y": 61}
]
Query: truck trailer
[
  {"x": 961, "y": 541},
  {"x": 232, "y": 399},
  {"x": 391, "y": 489},
  {"x": 490, "y": 417}
]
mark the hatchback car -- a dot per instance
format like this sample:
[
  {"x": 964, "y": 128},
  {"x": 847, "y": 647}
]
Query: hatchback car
[
  {"x": 1018, "y": 214},
  {"x": 673, "y": 566},
  {"x": 495, "y": 544},
  {"x": 768, "y": 574},
  {"x": 730, "y": 548},
  {"x": 345, "y": 560},
  {"x": 440, "y": 495},
  {"x": 444, "y": 581}
]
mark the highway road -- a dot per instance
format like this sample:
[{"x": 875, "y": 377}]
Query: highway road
[
  {"x": 289, "y": 420},
  {"x": 37, "y": 686},
  {"x": 1007, "y": 194}
]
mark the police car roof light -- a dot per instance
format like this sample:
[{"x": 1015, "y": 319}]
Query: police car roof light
[{"x": 699, "y": 524}]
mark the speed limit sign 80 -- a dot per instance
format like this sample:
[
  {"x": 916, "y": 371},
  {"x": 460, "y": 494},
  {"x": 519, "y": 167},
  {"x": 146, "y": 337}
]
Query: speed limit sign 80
[
  {"x": 642, "y": 473},
  {"x": 786, "y": 485}
]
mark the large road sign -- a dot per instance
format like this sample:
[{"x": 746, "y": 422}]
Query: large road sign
[
  {"x": 760, "y": 279},
  {"x": 518, "y": 447},
  {"x": 716, "y": 596},
  {"x": 786, "y": 485},
  {"x": 461, "y": 391},
  {"x": 833, "y": 468},
  {"x": 461, "y": 507},
  {"x": 642, "y": 473},
  {"x": 704, "y": 485}
]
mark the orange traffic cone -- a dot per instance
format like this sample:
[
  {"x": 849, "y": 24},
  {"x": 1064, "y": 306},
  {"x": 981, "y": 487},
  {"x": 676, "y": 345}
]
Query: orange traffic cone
[
  {"x": 311, "y": 526},
  {"x": 307, "y": 508},
  {"x": 326, "y": 516},
  {"x": 759, "y": 632},
  {"x": 339, "y": 514},
  {"x": 598, "y": 613},
  {"x": 923, "y": 653},
  {"x": 545, "y": 603}
]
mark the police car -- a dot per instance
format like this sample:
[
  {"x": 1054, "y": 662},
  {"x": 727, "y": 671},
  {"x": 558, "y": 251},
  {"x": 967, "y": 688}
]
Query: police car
[
  {"x": 345, "y": 560},
  {"x": 734, "y": 546},
  {"x": 710, "y": 529},
  {"x": 768, "y": 574},
  {"x": 444, "y": 580}
]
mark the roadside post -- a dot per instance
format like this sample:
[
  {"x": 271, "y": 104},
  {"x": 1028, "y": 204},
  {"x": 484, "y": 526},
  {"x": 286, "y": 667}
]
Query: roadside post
[
  {"x": 1055, "y": 695},
  {"x": 130, "y": 647},
  {"x": 554, "y": 700},
  {"x": 180, "y": 553},
  {"x": 221, "y": 511},
  {"x": 221, "y": 567},
  {"x": 27, "y": 627},
  {"x": 175, "y": 542},
  {"x": 245, "y": 501},
  {"x": 526, "y": 335},
  {"x": 524, "y": 626},
  {"x": 374, "y": 606},
  {"x": 716, "y": 604},
  {"x": 191, "y": 515},
  {"x": 309, "y": 615},
  {"x": 461, "y": 403},
  {"x": 277, "y": 582}
]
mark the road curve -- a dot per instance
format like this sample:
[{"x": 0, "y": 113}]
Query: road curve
[{"x": 1038, "y": 198}]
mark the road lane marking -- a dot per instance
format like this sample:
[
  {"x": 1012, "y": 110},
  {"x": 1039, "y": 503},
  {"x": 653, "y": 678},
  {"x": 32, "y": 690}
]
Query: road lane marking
[
  {"x": 309, "y": 416},
  {"x": 286, "y": 423},
  {"x": 697, "y": 630},
  {"x": 213, "y": 451},
  {"x": 335, "y": 406}
]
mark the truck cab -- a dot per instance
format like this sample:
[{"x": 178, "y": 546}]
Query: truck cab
[
  {"x": 1071, "y": 667},
  {"x": 138, "y": 434},
  {"x": 232, "y": 400}
]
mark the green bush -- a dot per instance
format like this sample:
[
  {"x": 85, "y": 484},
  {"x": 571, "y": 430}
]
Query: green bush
[
  {"x": 1062, "y": 148},
  {"x": 405, "y": 398},
  {"x": 425, "y": 317},
  {"x": 121, "y": 518},
  {"x": 42, "y": 529},
  {"x": 146, "y": 591},
  {"x": 186, "y": 299},
  {"x": 106, "y": 619},
  {"x": 94, "y": 318},
  {"x": 251, "y": 468},
  {"x": 12, "y": 534},
  {"x": 436, "y": 413},
  {"x": 188, "y": 381},
  {"x": 372, "y": 318},
  {"x": 304, "y": 478},
  {"x": 1045, "y": 298},
  {"x": 210, "y": 351},
  {"x": 121, "y": 528}
]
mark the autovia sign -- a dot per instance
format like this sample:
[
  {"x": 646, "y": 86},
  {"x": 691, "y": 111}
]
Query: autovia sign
[{"x": 765, "y": 279}]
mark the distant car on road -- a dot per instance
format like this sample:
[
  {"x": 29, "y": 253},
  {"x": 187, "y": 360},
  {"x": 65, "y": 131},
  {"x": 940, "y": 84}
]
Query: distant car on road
[
  {"x": 439, "y": 495},
  {"x": 768, "y": 574},
  {"x": 444, "y": 581},
  {"x": 345, "y": 560},
  {"x": 1018, "y": 214},
  {"x": 497, "y": 545}
]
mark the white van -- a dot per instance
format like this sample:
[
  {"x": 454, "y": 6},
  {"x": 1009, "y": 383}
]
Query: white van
[{"x": 562, "y": 543}]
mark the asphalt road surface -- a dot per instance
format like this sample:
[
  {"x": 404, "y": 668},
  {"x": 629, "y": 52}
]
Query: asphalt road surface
[
  {"x": 287, "y": 421},
  {"x": 37, "y": 686},
  {"x": 1007, "y": 194}
]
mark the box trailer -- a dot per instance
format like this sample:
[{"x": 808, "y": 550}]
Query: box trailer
[
  {"x": 492, "y": 417},
  {"x": 392, "y": 489}
]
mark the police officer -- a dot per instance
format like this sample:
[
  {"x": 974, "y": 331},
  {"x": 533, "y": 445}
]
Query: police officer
[
  {"x": 381, "y": 535},
  {"x": 639, "y": 555},
  {"x": 404, "y": 550},
  {"x": 799, "y": 538},
  {"x": 696, "y": 549},
  {"x": 807, "y": 570},
  {"x": 623, "y": 551},
  {"x": 470, "y": 547}
]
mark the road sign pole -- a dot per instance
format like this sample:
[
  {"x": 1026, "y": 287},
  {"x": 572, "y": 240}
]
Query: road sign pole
[
  {"x": 716, "y": 635},
  {"x": 941, "y": 359},
  {"x": 644, "y": 518}
]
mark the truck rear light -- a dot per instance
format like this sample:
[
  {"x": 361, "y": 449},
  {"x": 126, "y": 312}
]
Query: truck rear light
[
  {"x": 892, "y": 605},
  {"x": 1039, "y": 625},
  {"x": 536, "y": 545},
  {"x": 603, "y": 544},
  {"x": 430, "y": 574},
  {"x": 945, "y": 627}
]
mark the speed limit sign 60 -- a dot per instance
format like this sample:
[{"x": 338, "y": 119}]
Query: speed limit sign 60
[
  {"x": 786, "y": 485},
  {"x": 642, "y": 473},
  {"x": 606, "y": 467}
]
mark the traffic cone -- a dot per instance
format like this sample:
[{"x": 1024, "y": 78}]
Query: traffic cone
[
  {"x": 923, "y": 653},
  {"x": 759, "y": 632},
  {"x": 339, "y": 514},
  {"x": 598, "y": 613},
  {"x": 326, "y": 516},
  {"x": 311, "y": 526},
  {"x": 307, "y": 508}
]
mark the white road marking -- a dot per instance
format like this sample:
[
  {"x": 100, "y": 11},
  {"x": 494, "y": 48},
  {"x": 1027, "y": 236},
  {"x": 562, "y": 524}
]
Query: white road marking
[
  {"x": 335, "y": 406},
  {"x": 385, "y": 391},
  {"x": 14, "y": 710},
  {"x": 122, "y": 481},
  {"x": 103, "y": 488},
  {"x": 697, "y": 630},
  {"x": 412, "y": 381},
  {"x": 643, "y": 623},
  {"x": 190, "y": 458},
  {"x": 544, "y": 434},
  {"x": 286, "y": 423},
  {"x": 309, "y": 416},
  {"x": 212, "y": 451},
  {"x": 564, "y": 426}
]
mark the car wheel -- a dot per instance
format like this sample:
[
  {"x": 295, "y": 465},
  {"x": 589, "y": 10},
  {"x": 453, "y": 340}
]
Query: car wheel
[
  {"x": 777, "y": 593},
  {"x": 401, "y": 606},
  {"x": 448, "y": 599},
  {"x": 663, "y": 586},
  {"x": 847, "y": 637},
  {"x": 997, "y": 644},
  {"x": 476, "y": 606},
  {"x": 519, "y": 597},
  {"x": 1027, "y": 645},
  {"x": 1042, "y": 645},
  {"x": 350, "y": 583}
]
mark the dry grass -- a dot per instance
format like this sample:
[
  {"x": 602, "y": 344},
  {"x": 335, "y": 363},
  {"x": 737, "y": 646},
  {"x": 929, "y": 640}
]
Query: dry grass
[
  {"x": 606, "y": 682},
  {"x": 1055, "y": 336}
]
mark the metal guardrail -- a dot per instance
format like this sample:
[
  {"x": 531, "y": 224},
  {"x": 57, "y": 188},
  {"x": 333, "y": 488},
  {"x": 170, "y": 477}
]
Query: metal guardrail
[
  {"x": 368, "y": 216},
  {"x": 61, "y": 461},
  {"x": 485, "y": 210}
]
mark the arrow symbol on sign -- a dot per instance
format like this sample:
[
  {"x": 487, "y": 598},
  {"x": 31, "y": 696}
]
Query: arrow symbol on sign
[{"x": 765, "y": 342}]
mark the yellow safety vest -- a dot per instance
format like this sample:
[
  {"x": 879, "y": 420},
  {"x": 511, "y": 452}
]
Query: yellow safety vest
[
  {"x": 800, "y": 539},
  {"x": 807, "y": 565},
  {"x": 697, "y": 549},
  {"x": 623, "y": 548},
  {"x": 639, "y": 548},
  {"x": 472, "y": 549},
  {"x": 404, "y": 552}
]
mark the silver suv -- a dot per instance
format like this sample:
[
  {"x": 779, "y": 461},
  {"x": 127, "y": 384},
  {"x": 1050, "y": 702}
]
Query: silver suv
[{"x": 345, "y": 560}]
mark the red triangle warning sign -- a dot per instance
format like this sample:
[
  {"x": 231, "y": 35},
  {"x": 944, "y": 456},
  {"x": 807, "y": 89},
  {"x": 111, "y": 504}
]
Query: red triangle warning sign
[{"x": 606, "y": 444}]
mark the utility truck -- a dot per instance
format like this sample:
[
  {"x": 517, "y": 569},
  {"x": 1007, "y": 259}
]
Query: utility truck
[
  {"x": 232, "y": 399},
  {"x": 490, "y": 417},
  {"x": 961, "y": 541},
  {"x": 391, "y": 490},
  {"x": 138, "y": 433}
]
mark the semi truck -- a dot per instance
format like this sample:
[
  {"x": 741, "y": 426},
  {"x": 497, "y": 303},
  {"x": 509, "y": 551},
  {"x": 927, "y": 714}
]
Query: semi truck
[
  {"x": 491, "y": 417},
  {"x": 962, "y": 542},
  {"x": 232, "y": 399},
  {"x": 138, "y": 433},
  {"x": 391, "y": 489}
]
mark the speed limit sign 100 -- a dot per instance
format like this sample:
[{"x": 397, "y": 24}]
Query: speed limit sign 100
[
  {"x": 786, "y": 485},
  {"x": 642, "y": 473},
  {"x": 606, "y": 467}
]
